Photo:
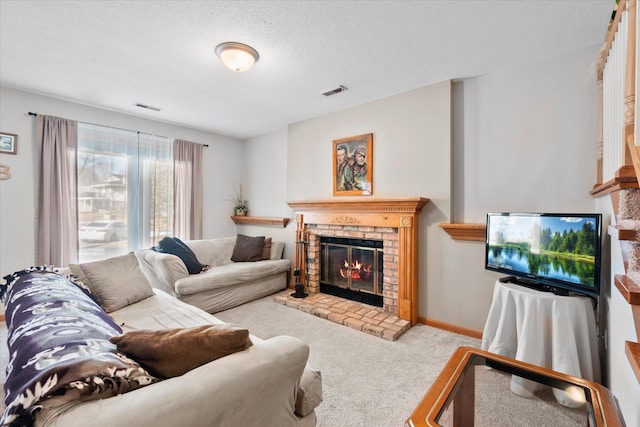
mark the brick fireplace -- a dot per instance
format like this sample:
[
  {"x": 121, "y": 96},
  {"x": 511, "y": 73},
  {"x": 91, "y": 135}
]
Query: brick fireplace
[{"x": 392, "y": 221}]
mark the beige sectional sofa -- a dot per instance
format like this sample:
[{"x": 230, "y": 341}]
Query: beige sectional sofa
[
  {"x": 265, "y": 385},
  {"x": 226, "y": 284},
  {"x": 84, "y": 383}
]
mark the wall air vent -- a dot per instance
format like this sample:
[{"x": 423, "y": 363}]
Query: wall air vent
[
  {"x": 336, "y": 90},
  {"x": 148, "y": 107}
]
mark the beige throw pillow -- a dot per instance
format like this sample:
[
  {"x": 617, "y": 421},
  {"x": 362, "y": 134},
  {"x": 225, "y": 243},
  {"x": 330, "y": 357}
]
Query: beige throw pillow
[
  {"x": 173, "y": 352},
  {"x": 116, "y": 282},
  {"x": 77, "y": 271},
  {"x": 266, "y": 250}
]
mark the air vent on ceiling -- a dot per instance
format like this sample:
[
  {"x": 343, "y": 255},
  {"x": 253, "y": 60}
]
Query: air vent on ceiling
[
  {"x": 148, "y": 107},
  {"x": 336, "y": 90}
]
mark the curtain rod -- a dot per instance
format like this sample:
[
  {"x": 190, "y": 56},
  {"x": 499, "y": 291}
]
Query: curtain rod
[{"x": 128, "y": 130}]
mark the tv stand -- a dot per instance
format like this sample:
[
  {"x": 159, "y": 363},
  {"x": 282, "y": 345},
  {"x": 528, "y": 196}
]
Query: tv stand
[
  {"x": 525, "y": 325},
  {"x": 536, "y": 285}
]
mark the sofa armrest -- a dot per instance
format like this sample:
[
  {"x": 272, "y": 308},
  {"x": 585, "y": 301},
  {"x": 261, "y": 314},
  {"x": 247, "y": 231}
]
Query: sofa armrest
[
  {"x": 242, "y": 389},
  {"x": 309, "y": 392},
  {"x": 162, "y": 270}
]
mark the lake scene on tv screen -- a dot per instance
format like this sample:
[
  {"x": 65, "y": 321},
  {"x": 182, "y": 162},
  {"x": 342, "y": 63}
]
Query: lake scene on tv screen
[{"x": 559, "y": 248}]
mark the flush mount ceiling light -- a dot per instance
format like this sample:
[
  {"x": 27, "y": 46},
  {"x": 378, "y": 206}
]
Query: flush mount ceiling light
[{"x": 237, "y": 56}]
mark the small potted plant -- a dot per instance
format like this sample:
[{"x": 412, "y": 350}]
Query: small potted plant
[{"x": 240, "y": 204}]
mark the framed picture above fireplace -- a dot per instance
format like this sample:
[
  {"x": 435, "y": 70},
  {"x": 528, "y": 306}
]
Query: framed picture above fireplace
[{"x": 353, "y": 165}]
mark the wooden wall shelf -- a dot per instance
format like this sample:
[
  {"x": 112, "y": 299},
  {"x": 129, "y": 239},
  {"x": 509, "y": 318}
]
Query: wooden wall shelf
[
  {"x": 622, "y": 233},
  {"x": 628, "y": 288},
  {"x": 460, "y": 231},
  {"x": 625, "y": 178},
  {"x": 633, "y": 354},
  {"x": 261, "y": 220}
]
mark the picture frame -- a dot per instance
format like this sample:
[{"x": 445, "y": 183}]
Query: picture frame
[
  {"x": 8, "y": 143},
  {"x": 353, "y": 165}
]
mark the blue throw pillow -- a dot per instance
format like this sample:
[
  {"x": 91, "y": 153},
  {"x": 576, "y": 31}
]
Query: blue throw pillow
[{"x": 175, "y": 246}]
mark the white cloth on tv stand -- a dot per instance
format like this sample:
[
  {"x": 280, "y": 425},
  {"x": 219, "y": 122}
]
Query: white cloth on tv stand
[{"x": 544, "y": 329}]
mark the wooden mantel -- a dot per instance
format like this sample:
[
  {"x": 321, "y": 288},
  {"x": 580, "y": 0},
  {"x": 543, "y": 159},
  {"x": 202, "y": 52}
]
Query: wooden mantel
[
  {"x": 405, "y": 204},
  {"x": 400, "y": 213}
]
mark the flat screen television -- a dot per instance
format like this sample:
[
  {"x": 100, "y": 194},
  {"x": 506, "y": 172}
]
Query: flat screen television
[{"x": 546, "y": 251}]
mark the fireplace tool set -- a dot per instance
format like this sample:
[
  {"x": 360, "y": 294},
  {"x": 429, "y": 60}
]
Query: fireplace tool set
[{"x": 299, "y": 273}]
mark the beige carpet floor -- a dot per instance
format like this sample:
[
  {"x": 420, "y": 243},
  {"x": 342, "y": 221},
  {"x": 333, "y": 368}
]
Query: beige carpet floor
[{"x": 368, "y": 381}]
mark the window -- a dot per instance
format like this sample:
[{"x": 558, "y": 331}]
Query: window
[{"x": 125, "y": 190}]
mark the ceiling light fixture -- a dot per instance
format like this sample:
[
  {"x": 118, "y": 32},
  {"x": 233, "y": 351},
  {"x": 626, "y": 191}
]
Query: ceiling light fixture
[{"x": 237, "y": 56}]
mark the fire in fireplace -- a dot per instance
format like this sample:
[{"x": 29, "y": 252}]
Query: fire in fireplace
[{"x": 352, "y": 269}]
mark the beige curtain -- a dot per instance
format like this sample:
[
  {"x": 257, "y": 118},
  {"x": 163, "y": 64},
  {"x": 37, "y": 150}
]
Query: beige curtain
[
  {"x": 187, "y": 189},
  {"x": 57, "y": 216}
]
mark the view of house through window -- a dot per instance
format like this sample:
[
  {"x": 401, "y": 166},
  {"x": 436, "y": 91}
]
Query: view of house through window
[{"x": 125, "y": 191}]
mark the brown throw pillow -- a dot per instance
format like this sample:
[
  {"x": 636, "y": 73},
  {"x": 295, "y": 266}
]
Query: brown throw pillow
[
  {"x": 266, "y": 250},
  {"x": 173, "y": 352},
  {"x": 248, "y": 249}
]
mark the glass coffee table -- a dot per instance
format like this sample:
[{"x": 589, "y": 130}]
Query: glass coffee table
[{"x": 473, "y": 389}]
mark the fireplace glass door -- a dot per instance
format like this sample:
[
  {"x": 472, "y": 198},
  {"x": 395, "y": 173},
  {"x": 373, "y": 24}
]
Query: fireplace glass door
[
  {"x": 349, "y": 267},
  {"x": 337, "y": 260},
  {"x": 362, "y": 269}
]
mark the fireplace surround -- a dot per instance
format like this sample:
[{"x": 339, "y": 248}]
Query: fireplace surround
[{"x": 393, "y": 221}]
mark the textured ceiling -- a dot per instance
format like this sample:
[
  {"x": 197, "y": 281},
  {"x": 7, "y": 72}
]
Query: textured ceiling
[{"x": 114, "y": 54}]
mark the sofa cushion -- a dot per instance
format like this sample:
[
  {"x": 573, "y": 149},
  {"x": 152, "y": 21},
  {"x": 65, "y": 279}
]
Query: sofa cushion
[
  {"x": 248, "y": 249},
  {"x": 116, "y": 282},
  {"x": 173, "y": 352},
  {"x": 214, "y": 252},
  {"x": 58, "y": 341},
  {"x": 175, "y": 246},
  {"x": 234, "y": 273}
]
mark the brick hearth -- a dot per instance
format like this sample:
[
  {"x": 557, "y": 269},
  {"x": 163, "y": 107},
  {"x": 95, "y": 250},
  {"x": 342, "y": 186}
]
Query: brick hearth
[
  {"x": 389, "y": 237},
  {"x": 362, "y": 317}
]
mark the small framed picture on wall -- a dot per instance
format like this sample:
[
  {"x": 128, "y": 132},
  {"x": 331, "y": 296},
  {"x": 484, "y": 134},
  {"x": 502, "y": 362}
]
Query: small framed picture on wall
[
  {"x": 353, "y": 166},
  {"x": 8, "y": 143}
]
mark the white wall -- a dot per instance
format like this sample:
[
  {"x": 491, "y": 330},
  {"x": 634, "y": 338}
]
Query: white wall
[
  {"x": 223, "y": 164},
  {"x": 525, "y": 139},
  {"x": 412, "y": 136},
  {"x": 265, "y": 182},
  {"x": 529, "y": 139}
]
